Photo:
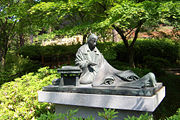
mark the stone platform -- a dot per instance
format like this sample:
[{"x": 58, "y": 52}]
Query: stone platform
[{"x": 91, "y": 104}]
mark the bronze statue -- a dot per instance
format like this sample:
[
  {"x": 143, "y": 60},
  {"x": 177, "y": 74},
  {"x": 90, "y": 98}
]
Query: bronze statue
[{"x": 98, "y": 72}]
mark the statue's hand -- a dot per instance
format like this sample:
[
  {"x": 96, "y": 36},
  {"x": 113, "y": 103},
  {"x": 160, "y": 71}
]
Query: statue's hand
[{"x": 91, "y": 63}]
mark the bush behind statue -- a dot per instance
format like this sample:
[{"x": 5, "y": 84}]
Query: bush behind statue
[{"x": 164, "y": 48}]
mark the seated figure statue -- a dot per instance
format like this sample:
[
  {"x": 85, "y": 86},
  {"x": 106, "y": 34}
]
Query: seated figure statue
[{"x": 98, "y": 72}]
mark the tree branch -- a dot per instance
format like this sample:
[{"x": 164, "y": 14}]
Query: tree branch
[
  {"x": 81, "y": 16},
  {"x": 102, "y": 6},
  {"x": 136, "y": 32},
  {"x": 1, "y": 24},
  {"x": 129, "y": 32},
  {"x": 122, "y": 35},
  {"x": 11, "y": 29},
  {"x": 5, "y": 23},
  {"x": 1, "y": 21}
]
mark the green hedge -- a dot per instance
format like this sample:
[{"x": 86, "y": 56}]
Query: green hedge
[
  {"x": 165, "y": 49},
  {"x": 19, "y": 99},
  {"x": 35, "y": 52}
]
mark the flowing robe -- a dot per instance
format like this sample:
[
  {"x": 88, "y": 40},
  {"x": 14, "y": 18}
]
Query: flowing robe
[{"x": 103, "y": 74}]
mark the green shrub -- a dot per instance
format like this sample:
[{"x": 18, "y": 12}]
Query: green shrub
[
  {"x": 31, "y": 51},
  {"x": 108, "y": 114},
  {"x": 176, "y": 116},
  {"x": 16, "y": 66},
  {"x": 4, "y": 77},
  {"x": 170, "y": 103},
  {"x": 18, "y": 99},
  {"x": 156, "y": 64},
  {"x": 49, "y": 116},
  {"x": 19, "y": 64},
  {"x": 165, "y": 48},
  {"x": 108, "y": 50},
  {"x": 66, "y": 116},
  {"x": 141, "y": 117},
  {"x": 35, "y": 52}
]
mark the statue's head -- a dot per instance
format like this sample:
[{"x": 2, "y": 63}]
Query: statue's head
[{"x": 92, "y": 40}]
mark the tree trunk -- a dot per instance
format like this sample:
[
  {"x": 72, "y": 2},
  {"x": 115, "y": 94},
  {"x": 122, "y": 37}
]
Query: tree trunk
[
  {"x": 3, "y": 57},
  {"x": 115, "y": 36},
  {"x": 4, "y": 50},
  {"x": 131, "y": 57},
  {"x": 31, "y": 39},
  {"x": 21, "y": 37},
  {"x": 130, "y": 48},
  {"x": 2, "y": 61}
]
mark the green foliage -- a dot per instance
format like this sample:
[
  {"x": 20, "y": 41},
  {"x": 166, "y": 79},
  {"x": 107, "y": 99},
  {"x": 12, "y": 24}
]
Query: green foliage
[
  {"x": 108, "y": 50},
  {"x": 49, "y": 116},
  {"x": 66, "y": 116},
  {"x": 14, "y": 22},
  {"x": 164, "y": 50},
  {"x": 46, "y": 14},
  {"x": 108, "y": 114},
  {"x": 170, "y": 13},
  {"x": 16, "y": 66},
  {"x": 35, "y": 51},
  {"x": 19, "y": 100},
  {"x": 97, "y": 15},
  {"x": 141, "y": 117},
  {"x": 19, "y": 64},
  {"x": 44, "y": 37},
  {"x": 170, "y": 104},
  {"x": 126, "y": 15},
  {"x": 30, "y": 51},
  {"x": 176, "y": 116},
  {"x": 5, "y": 77},
  {"x": 156, "y": 64}
]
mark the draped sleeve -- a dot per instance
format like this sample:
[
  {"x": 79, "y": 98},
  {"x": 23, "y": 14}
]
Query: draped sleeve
[{"x": 80, "y": 60}]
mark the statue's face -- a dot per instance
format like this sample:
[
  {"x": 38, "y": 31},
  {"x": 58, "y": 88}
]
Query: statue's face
[{"x": 92, "y": 42}]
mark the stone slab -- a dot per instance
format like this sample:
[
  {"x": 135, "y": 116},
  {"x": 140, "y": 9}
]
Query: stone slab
[
  {"x": 85, "y": 112},
  {"x": 108, "y": 90},
  {"x": 122, "y": 102}
]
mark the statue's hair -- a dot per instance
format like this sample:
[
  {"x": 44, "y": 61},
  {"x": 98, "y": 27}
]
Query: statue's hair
[{"x": 92, "y": 36}]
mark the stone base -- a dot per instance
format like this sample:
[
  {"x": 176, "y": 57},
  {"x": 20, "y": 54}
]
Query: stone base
[
  {"x": 90, "y": 104},
  {"x": 85, "y": 112},
  {"x": 106, "y": 90}
]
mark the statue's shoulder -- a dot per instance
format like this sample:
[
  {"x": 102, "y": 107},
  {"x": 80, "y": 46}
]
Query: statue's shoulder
[{"x": 83, "y": 48}]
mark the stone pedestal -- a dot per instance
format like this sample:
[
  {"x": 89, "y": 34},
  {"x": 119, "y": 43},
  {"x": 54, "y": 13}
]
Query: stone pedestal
[
  {"x": 91, "y": 111},
  {"x": 90, "y": 104}
]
